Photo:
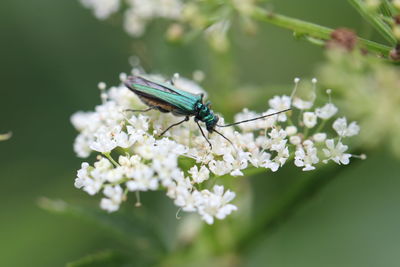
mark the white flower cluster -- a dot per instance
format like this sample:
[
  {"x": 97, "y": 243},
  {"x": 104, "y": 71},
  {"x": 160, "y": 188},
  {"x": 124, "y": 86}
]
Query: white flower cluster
[
  {"x": 181, "y": 16},
  {"x": 102, "y": 9},
  {"x": 138, "y": 13},
  {"x": 133, "y": 158}
]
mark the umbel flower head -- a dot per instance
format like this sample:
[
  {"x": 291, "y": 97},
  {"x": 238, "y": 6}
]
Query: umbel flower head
[
  {"x": 132, "y": 157},
  {"x": 211, "y": 17},
  {"x": 374, "y": 96}
]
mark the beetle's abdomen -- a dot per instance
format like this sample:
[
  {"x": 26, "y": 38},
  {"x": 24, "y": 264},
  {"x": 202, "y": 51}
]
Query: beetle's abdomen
[{"x": 161, "y": 106}]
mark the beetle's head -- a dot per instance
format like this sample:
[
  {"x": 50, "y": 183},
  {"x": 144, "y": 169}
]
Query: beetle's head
[{"x": 210, "y": 124}]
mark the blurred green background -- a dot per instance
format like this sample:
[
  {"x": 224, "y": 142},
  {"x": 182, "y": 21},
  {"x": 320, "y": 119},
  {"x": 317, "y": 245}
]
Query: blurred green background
[{"x": 53, "y": 54}]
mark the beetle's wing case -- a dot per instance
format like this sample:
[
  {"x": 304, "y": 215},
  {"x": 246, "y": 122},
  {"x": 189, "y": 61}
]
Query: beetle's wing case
[
  {"x": 163, "y": 97},
  {"x": 169, "y": 87}
]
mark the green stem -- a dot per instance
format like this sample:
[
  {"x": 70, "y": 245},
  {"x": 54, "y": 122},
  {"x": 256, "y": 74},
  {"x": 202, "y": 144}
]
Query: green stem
[
  {"x": 373, "y": 17},
  {"x": 321, "y": 126},
  {"x": 311, "y": 29},
  {"x": 111, "y": 159},
  {"x": 388, "y": 8},
  {"x": 294, "y": 198}
]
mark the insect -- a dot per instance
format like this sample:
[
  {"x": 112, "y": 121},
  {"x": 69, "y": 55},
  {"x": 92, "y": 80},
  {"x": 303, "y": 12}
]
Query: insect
[{"x": 166, "y": 98}]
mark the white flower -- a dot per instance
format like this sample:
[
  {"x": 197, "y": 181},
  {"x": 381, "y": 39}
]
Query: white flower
[
  {"x": 215, "y": 204},
  {"x": 114, "y": 198},
  {"x": 336, "y": 153},
  {"x": 139, "y": 123},
  {"x": 258, "y": 157},
  {"x": 122, "y": 139},
  {"x": 109, "y": 114},
  {"x": 82, "y": 120},
  {"x": 140, "y": 13},
  {"x": 283, "y": 155},
  {"x": 302, "y": 104},
  {"x": 144, "y": 9},
  {"x": 146, "y": 148},
  {"x": 123, "y": 97},
  {"x": 306, "y": 157},
  {"x": 115, "y": 175},
  {"x": 82, "y": 175},
  {"x": 238, "y": 163},
  {"x": 279, "y": 103},
  {"x": 269, "y": 164},
  {"x": 327, "y": 111},
  {"x": 340, "y": 126},
  {"x": 89, "y": 179},
  {"x": 291, "y": 130},
  {"x": 115, "y": 193},
  {"x": 309, "y": 119},
  {"x": 102, "y": 8},
  {"x": 201, "y": 175},
  {"x": 104, "y": 140},
  {"x": 219, "y": 167},
  {"x": 129, "y": 161},
  {"x": 185, "y": 199},
  {"x": 189, "y": 86},
  {"x": 319, "y": 137},
  {"x": 108, "y": 205},
  {"x": 295, "y": 140},
  {"x": 142, "y": 178},
  {"x": 278, "y": 140},
  {"x": 133, "y": 24},
  {"x": 81, "y": 146}
]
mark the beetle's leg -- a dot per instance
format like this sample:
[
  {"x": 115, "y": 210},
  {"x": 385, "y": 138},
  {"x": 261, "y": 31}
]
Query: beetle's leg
[
  {"x": 202, "y": 133},
  {"x": 175, "y": 124},
  {"x": 138, "y": 110}
]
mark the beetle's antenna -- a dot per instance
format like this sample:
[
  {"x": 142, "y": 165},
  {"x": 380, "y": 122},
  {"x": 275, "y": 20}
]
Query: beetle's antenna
[
  {"x": 253, "y": 119},
  {"x": 226, "y": 138}
]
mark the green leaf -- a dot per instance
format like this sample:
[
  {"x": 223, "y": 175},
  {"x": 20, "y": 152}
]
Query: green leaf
[
  {"x": 104, "y": 258},
  {"x": 296, "y": 195},
  {"x": 134, "y": 230}
]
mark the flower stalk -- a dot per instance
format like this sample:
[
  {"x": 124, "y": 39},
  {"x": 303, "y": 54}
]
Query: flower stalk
[
  {"x": 295, "y": 197},
  {"x": 300, "y": 27}
]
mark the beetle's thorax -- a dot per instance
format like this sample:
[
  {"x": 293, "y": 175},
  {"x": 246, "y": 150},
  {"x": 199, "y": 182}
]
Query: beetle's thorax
[{"x": 206, "y": 115}]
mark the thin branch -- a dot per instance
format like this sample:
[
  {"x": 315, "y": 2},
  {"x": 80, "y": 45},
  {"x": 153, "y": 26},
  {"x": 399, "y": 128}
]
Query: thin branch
[
  {"x": 373, "y": 17},
  {"x": 311, "y": 30},
  {"x": 294, "y": 198}
]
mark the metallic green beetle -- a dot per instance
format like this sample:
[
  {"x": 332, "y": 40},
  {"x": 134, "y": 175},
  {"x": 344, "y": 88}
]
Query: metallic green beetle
[{"x": 166, "y": 98}]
